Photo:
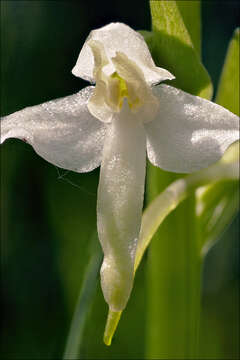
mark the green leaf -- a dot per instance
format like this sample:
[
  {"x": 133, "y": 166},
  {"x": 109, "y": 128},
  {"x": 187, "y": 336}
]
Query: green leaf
[
  {"x": 223, "y": 174},
  {"x": 228, "y": 88},
  {"x": 191, "y": 14},
  {"x": 171, "y": 323},
  {"x": 173, "y": 45},
  {"x": 148, "y": 37},
  {"x": 170, "y": 329},
  {"x": 175, "y": 262},
  {"x": 219, "y": 203}
]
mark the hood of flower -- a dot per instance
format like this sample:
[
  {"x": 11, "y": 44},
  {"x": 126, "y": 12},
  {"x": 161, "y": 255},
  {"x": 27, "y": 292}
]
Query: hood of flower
[{"x": 117, "y": 79}]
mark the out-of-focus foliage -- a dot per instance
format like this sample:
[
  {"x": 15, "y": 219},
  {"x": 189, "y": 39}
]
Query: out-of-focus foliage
[
  {"x": 48, "y": 214},
  {"x": 85, "y": 299},
  {"x": 228, "y": 88},
  {"x": 219, "y": 203}
]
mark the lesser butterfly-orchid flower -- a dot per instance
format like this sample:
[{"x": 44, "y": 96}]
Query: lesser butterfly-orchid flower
[{"x": 114, "y": 124}]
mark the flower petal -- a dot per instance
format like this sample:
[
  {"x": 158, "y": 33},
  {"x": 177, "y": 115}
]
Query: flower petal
[
  {"x": 120, "y": 200},
  {"x": 62, "y": 131},
  {"x": 140, "y": 95},
  {"x": 100, "y": 104},
  {"x": 189, "y": 132},
  {"x": 119, "y": 37}
]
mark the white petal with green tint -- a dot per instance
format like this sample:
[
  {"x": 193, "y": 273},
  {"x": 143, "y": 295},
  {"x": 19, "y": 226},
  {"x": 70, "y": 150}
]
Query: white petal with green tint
[
  {"x": 139, "y": 94},
  {"x": 189, "y": 133},
  {"x": 62, "y": 131},
  {"x": 100, "y": 104},
  {"x": 119, "y": 37},
  {"x": 119, "y": 208}
]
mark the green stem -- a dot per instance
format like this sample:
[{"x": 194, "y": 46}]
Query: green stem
[
  {"x": 174, "y": 280},
  {"x": 84, "y": 303}
]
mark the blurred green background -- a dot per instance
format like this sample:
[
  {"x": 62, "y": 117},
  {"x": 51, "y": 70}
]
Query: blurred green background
[{"x": 48, "y": 215}]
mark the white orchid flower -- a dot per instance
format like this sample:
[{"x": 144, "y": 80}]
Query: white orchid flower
[{"x": 113, "y": 124}]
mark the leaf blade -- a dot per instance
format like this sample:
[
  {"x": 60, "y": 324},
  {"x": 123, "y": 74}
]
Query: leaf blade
[
  {"x": 191, "y": 14},
  {"x": 218, "y": 197},
  {"x": 174, "y": 50},
  {"x": 228, "y": 88}
]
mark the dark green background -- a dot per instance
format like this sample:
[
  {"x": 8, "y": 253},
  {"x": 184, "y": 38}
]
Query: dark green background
[{"x": 48, "y": 215}]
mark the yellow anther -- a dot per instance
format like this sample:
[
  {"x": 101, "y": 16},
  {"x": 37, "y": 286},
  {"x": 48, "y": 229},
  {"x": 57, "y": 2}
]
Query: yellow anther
[{"x": 124, "y": 93}]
